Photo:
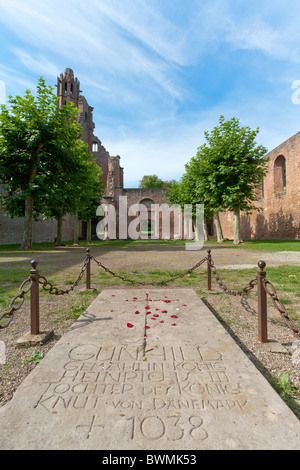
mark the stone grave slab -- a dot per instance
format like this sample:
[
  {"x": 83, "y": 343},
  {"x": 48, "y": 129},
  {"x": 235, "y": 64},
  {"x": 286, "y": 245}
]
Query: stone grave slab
[{"x": 147, "y": 371}]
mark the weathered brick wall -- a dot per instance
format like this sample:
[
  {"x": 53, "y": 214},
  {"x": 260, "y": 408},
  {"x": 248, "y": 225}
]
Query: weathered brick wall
[
  {"x": 11, "y": 230},
  {"x": 280, "y": 217}
]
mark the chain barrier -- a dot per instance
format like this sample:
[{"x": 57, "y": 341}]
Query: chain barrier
[
  {"x": 145, "y": 283},
  {"x": 47, "y": 286},
  {"x": 12, "y": 308},
  {"x": 265, "y": 282},
  {"x": 221, "y": 284},
  {"x": 280, "y": 307}
]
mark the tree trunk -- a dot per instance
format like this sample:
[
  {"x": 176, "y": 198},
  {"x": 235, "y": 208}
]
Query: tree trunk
[
  {"x": 205, "y": 230},
  {"x": 220, "y": 238},
  {"x": 76, "y": 229},
  {"x": 59, "y": 230},
  {"x": 89, "y": 231},
  {"x": 28, "y": 229},
  {"x": 236, "y": 227},
  {"x": 29, "y": 205}
]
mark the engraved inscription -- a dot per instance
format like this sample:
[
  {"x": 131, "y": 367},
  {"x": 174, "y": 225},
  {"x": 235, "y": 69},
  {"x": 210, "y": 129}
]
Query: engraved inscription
[{"x": 166, "y": 396}]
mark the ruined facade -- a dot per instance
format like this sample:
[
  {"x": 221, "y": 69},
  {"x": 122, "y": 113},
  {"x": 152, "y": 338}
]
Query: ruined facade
[{"x": 279, "y": 199}]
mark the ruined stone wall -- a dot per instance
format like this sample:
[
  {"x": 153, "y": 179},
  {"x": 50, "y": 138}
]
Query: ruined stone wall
[
  {"x": 11, "y": 230},
  {"x": 280, "y": 198},
  {"x": 162, "y": 227}
]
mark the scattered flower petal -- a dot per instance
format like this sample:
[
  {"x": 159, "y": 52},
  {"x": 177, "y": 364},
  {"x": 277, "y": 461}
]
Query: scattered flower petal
[
  {"x": 167, "y": 301},
  {"x": 137, "y": 312},
  {"x": 174, "y": 316},
  {"x": 174, "y": 324},
  {"x": 147, "y": 327},
  {"x": 184, "y": 305},
  {"x": 147, "y": 307},
  {"x": 161, "y": 321},
  {"x": 153, "y": 318},
  {"x": 164, "y": 311},
  {"x": 129, "y": 325}
]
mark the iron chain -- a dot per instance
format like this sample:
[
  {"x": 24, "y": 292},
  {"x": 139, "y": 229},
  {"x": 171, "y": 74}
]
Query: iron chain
[
  {"x": 12, "y": 308},
  {"x": 280, "y": 307},
  {"x": 47, "y": 286},
  {"x": 144, "y": 283},
  {"x": 246, "y": 289}
]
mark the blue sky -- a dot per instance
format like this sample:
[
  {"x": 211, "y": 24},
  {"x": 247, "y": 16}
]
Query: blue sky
[{"x": 160, "y": 72}]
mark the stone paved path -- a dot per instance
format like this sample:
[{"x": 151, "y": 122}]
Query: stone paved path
[{"x": 147, "y": 370}]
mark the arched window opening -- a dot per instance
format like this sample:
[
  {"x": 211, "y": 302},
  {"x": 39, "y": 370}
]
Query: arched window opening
[
  {"x": 280, "y": 174},
  {"x": 71, "y": 89},
  {"x": 147, "y": 202},
  {"x": 66, "y": 87},
  {"x": 95, "y": 147}
]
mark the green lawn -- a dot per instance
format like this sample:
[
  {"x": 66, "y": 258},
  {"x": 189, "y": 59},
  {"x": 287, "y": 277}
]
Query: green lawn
[{"x": 265, "y": 245}]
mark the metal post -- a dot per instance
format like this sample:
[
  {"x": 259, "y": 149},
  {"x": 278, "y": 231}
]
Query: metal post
[
  {"x": 88, "y": 270},
  {"x": 34, "y": 299},
  {"x": 262, "y": 304},
  {"x": 209, "y": 270}
]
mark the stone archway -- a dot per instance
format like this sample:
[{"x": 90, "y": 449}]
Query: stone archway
[{"x": 148, "y": 226}]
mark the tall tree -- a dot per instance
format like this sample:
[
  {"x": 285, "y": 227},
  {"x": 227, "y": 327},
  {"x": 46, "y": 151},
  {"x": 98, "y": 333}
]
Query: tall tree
[
  {"x": 90, "y": 197},
  {"x": 231, "y": 167},
  {"x": 77, "y": 192},
  {"x": 35, "y": 139}
]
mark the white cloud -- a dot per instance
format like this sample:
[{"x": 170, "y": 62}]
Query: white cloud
[
  {"x": 94, "y": 34},
  {"x": 36, "y": 62}
]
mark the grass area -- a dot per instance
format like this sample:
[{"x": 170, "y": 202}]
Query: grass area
[{"x": 285, "y": 279}]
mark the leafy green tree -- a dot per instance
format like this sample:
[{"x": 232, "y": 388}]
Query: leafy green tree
[
  {"x": 77, "y": 191},
  {"x": 90, "y": 196},
  {"x": 35, "y": 141},
  {"x": 185, "y": 192},
  {"x": 151, "y": 181},
  {"x": 230, "y": 168}
]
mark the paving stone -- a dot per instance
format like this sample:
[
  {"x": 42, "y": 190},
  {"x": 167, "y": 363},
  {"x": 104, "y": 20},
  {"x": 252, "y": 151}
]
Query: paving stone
[{"x": 147, "y": 371}]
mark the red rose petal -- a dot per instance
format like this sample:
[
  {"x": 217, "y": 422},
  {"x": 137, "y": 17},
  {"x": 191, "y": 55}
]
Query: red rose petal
[
  {"x": 162, "y": 321},
  {"x": 153, "y": 318},
  {"x": 155, "y": 315},
  {"x": 147, "y": 327},
  {"x": 174, "y": 316},
  {"x": 174, "y": 324},
  {"x": 164, "y": 311},
  {"x": 147, "y": 307},
  {"x": 167, "y": 301},
  {"x": 129, "y": 325},
  {"x": 184, "y": 305},
  {"x": 137, "y": 312}
]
